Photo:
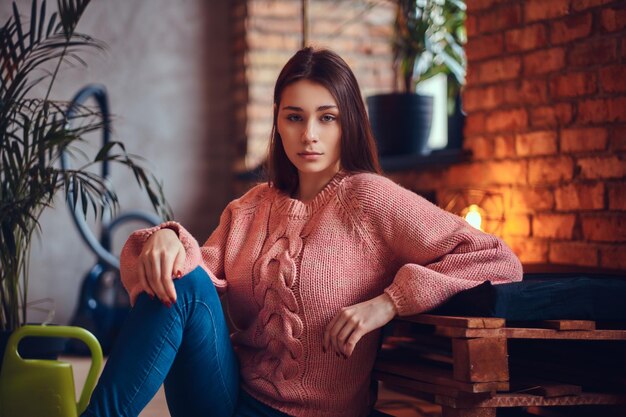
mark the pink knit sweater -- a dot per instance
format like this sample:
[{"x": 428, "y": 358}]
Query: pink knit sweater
[{"x": 288, "y": 267}]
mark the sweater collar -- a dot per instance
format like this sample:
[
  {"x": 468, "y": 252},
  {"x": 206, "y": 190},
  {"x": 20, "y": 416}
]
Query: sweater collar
[{"x": 297, "y": 209}]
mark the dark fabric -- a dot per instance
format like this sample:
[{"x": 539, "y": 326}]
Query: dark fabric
[{"x": 543, "y": 297}]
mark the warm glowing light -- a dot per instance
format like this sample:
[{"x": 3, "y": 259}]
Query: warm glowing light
[{"x": 473, "y": 216}]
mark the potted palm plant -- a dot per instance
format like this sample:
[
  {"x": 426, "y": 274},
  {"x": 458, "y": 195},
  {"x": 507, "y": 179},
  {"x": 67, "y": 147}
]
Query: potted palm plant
[
  {"x": 34, "y": 133},
  {"x": 428, "y": 40}
]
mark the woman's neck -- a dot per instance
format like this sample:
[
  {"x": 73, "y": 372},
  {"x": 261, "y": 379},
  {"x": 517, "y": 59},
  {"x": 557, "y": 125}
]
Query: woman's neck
[{"x": 311, "y": 184}]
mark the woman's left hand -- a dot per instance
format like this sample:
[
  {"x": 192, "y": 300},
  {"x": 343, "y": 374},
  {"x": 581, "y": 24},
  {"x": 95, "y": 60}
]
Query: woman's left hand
[{"x": 352, "y": 323}]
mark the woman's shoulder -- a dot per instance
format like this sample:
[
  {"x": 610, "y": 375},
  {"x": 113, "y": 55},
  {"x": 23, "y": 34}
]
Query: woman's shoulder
[
  {"x": 252, "y": 199},
  {"x": 375, "y": 194},
  {"x": 370, "y": 185}
]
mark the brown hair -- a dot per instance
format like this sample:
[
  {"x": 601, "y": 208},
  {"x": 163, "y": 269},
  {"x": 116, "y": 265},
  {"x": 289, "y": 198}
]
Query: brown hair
[{"x": 358, "y": 149}]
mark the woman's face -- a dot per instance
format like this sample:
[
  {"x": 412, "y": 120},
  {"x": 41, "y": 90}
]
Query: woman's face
[{"x": 308, "y": 124}]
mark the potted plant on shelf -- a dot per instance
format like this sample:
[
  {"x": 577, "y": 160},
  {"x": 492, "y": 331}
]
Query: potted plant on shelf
[
  {"x": 428, "y": 39},
  {"x": 34, "y": 132}
]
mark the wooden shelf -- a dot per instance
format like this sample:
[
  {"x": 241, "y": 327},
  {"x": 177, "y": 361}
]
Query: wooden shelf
[{"x": 437, "y": 158}]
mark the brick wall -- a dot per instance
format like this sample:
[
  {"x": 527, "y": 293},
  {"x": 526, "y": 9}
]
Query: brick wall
[
  {"x": 268, "y": 32},
  {"x": 546, "y": 122}
]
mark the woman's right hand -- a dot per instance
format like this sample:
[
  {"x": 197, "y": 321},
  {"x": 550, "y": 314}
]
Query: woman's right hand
[{"x": 160, "y": 261}]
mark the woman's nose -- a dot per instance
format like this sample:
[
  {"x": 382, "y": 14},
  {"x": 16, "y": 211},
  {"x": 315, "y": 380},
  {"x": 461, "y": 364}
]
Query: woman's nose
[{"x": 310, "y": 133}]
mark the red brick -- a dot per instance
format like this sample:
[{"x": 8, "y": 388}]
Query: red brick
[
  {"x": 573, "y": 253},
  {"x": 475, "y": 123},
  {"x": 481, "y": 4},
  {"x": 573, "y": 84},
  {"x": 613, "y": 18},
  {"x": 586, "y": 4},
  {"x": 503, "y": 146},
  {"x": 529, "y": 200},
  {"x": 570, "y": 28},
  {"x": 551, "y": 116},
  {"x": 617, "y": 109},
  {"x": 484, "y": 46},
  {"x": 507, "y": 120},
  {"x": 273, "y": 41},
  {"x": 529, "y": 250},
  {"x": 472, "y": 76},
  {"x": 516, "y": 225},
  {"x": 592, "y": 111},
  {"x": 274, "y": 8},
  {"x": 471, "y": 26},
  {"x": 481, "y": 147},
  {"x": 554, "y": 226},
  {"x": 617, "y": 196},
  {"x": 613, "y": 79},
  {"x": 536, "y": 143},
  {"x": 604, "y": 228},
  {"x": 550, "y": 170},
  {"x": 593, "y": 52},
  {"x": 579, "y": 196},
  {"x": 498, "y": 18},
  {"x": 465, "y": 174},
  {"x": 533, "y": 91},
  {"x": 481, "y": 173},
  {"x": 613, "y": 257},
  {"x": 618, "y": 138},
  {"x": 529, "y": 37},
  {"x": 482, "y": 98},
  {"x": 583, "y": 139},
  {"x": 542, "y": 9},
  {"x": 499, "y": 69},
  {"x": 544, "y": 61},
  {"x": 598, "y": 167},
  {"x": 266, "y": 24},
  {"x": 506, "y": 172}
]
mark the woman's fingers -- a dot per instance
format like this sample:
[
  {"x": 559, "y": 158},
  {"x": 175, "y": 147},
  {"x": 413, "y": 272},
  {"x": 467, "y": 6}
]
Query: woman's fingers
[
  {"x": 153, "y": 273},
  {"x": 167, "y": 271},
  {"x": 344, "y": 334},
  {"x": 141, "y": 271},
  {"x": 327, "y": 334},
  {"x": 333, "y": 330}
]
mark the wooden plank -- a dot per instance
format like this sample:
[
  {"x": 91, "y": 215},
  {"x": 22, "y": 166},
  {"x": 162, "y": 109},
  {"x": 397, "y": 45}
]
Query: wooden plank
[
  {"x": 453, "y": 321},
  {"x": 413, "y": 386},
  {"x": 480, "y": 360},
  {"x": 469, "y": 333},
  {"x": 527, "y": 400},
  {"x": 566, "y": 334},
  {"x": 555, "y": 324},
  {"x": 434, "y": 375},
  {"x": 526, "y": 333},
  {"x": 468, "y": 412}
]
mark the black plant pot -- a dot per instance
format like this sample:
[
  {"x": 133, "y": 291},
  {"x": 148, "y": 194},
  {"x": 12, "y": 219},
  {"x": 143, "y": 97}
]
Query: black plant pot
[
  {"x": 401, "y": 123},
  {"x": 456, "y": 124}
]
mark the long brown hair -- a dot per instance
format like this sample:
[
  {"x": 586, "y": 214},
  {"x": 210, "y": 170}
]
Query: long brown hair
[{"x": 358, "y": 149}]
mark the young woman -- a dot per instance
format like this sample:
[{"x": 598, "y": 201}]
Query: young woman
[{"x": 313, "y": 263}]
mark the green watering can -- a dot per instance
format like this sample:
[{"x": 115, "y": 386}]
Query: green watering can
[{"x": 45, "y": 388}]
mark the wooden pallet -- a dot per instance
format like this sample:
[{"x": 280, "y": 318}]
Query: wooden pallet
[{"x": 472, "y": 366}]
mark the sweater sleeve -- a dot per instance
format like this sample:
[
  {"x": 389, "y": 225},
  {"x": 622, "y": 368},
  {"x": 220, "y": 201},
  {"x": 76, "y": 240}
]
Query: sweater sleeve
[
  {"x": 440, "y": 254},
  {"x": 210, "y": 256}
]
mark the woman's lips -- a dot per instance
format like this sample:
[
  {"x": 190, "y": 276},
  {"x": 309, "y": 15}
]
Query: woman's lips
[{"x": 310, "y": 156}]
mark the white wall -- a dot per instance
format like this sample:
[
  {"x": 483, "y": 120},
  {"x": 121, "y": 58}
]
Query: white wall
[{"x": 167, "y": 71}]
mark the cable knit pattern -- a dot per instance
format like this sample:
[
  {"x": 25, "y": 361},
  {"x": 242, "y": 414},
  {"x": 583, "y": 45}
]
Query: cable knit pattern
[{"x": 287, "y": 268}]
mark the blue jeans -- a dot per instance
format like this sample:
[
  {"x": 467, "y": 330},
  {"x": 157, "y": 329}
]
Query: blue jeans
[{"x": 186, "y": 347}]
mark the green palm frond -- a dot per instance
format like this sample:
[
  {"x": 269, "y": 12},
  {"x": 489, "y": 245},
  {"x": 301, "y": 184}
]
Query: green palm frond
[{"x": 34, "y": 133}]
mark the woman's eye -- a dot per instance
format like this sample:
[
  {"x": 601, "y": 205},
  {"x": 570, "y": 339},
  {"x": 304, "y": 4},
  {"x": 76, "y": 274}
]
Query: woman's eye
[
  {"x": 294, "y": 118},
  {"x": 328, "y": 118}
]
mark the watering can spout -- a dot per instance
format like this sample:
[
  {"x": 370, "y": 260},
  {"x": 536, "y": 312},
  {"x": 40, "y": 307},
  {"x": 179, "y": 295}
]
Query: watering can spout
[{"x": 38, "y": 387}]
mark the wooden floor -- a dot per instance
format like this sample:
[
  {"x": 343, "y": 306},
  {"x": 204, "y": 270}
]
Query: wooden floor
[{"x": 392, "y": 403}]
